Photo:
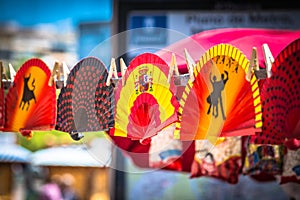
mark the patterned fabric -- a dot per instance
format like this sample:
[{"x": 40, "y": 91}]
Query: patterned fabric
[
  {"x": 222, "y": 161},
  {"x": 263, "y": 159},
  {"x": 291, "y": 167},
  {"x": 165, "y": 150}
]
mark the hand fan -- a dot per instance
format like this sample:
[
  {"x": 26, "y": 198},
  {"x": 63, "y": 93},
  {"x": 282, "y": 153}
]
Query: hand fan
[
  {"x": 280, "y": 96},
  {"x": 146, "y": 103},
  {"x": 219, "y": 102},
  {"x": 30, "y": 102},
  {"x": 85, "y": 103},
  {"x": 222, "y": 161}
]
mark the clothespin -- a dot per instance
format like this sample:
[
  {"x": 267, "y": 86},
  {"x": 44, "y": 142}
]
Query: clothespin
[
  {"x": 12, "y": 72},
  {"x": 64, "y": 72},
  {"x": 55, "y": 73},
  {"x": 269, "y": 59},
  {"x": 1, "y": 73},
  {"x": 112, "y": 71},
  {"x": 123, "y": 70},
  {"x": 4, "y": 80},
  {"x": 253, "y": 64},
  {"x": 173, "y": 68},
  {"x": 190, "y": 64}
]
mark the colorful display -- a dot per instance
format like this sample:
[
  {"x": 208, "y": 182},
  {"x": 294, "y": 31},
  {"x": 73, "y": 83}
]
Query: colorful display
[
  {"x": 86, "y": 103},
  {"x": 30, "y": 102},
  {"x": 146, "y": 103},
  {"x": 220, "y": 102}
]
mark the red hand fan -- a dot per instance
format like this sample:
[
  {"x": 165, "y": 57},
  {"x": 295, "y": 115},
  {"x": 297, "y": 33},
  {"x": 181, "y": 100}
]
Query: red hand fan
[
  {"x": 280, "y": 96},
  {"x": 220, "y": 102},
  {"x": 86, "y": 103},
  {"x": 31, "y": 102},
  {"x": 146, "y": 103}
]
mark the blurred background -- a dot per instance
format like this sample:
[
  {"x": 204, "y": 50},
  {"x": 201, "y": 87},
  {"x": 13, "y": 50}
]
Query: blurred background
[{"x": 70, "y": 30}]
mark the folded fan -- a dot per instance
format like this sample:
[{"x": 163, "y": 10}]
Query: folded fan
[
  {"x": 30, "y": 102},
  {"x": 280, "y": 96},
  {"x": 146, "y": 103},
  {"x": 219, "y": 102},
  {"x": 86, "y": 103}
]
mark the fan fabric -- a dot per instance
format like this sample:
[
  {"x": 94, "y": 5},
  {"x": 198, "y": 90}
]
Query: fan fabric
[
  {"x": 86, "y": 102},
  {"x": 221, "y": 161},
  {"x": 280, "y": 96},
  {"x": 146, "y": 103},
  {"x": 30, "y": 102},
  {"x": 242, "y": 38},
  {"x": 220, "y": 102}
]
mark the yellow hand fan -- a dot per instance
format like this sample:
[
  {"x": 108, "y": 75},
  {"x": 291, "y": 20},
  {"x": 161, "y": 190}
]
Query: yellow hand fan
[{"x": 146, "y": 103}]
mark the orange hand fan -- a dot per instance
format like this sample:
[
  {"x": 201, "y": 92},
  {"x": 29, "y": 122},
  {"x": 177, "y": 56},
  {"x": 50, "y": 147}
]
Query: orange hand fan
[
  {"x": 30, "y": 102},
  {"x": 219, "y": 102},
  {"x": 146, "y": 103},
  {"x": 86, "y": 103},
  {"x": 280, "y": 96}
]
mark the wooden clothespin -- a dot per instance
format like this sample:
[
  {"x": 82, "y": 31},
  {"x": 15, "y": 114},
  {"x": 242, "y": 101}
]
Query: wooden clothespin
[
  {"x": 5, "y": 82},
  {"x": 1, "y": 73},
  {"x": 173, "y": 68},
  {"x": 55, "y": 73},
  {"x": 64, "y": 73},
  {"x": 253, "y": 64},
  {"x": 112, "y": 71},
  {"x": 269, "y": 59},
  {"x": 12, "y": 72},
  {"x": 123, "y": 70},
  {"x": 190, "y": 64}
]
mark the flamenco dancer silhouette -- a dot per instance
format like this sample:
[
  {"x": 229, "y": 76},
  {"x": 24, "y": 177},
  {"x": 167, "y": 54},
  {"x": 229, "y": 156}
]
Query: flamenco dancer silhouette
[{"x": 215, "y": 96}]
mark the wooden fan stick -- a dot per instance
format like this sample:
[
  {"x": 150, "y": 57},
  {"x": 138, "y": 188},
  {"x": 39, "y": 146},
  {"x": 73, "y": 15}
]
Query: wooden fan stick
[
  {"x": 253, "y": 64},
  {"x": 112, "y": 71},
  {"x": 123, "y": 70},
  {"x": 173, "y": 68},
  {"x": 269, "y": 59},
  {"x": 190, "y": 64}
]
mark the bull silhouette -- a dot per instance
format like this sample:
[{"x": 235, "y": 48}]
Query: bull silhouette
[{"x": 27, "y": 93}]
